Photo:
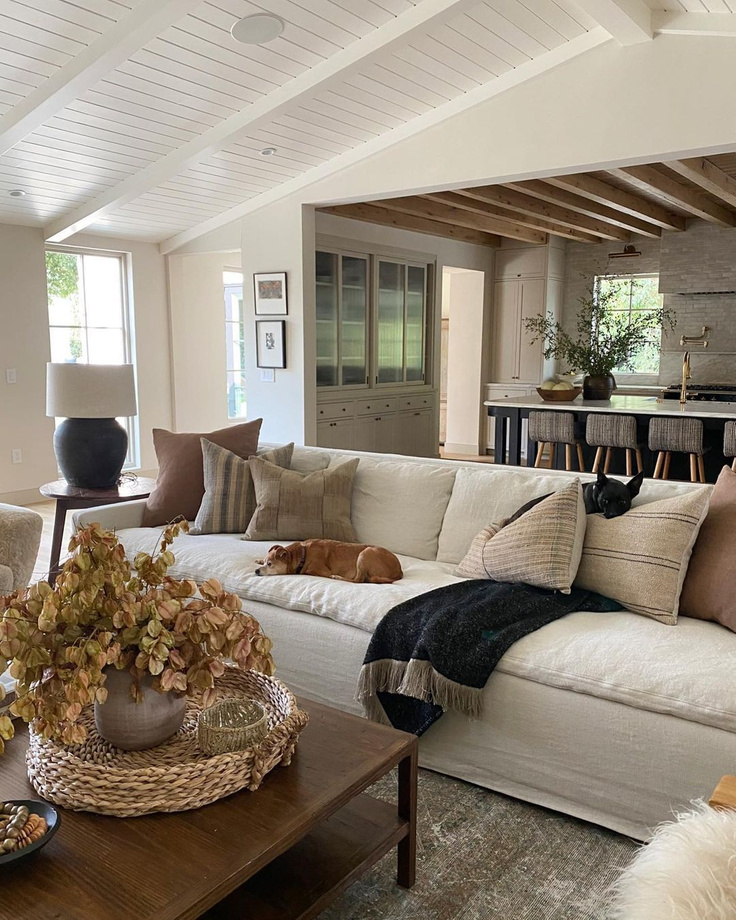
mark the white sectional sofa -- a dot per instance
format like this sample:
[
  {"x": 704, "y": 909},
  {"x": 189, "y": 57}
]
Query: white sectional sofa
[{"x": 610, "y": 717}]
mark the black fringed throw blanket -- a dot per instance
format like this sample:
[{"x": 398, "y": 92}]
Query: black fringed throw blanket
[{"x": 436, "y": 651}]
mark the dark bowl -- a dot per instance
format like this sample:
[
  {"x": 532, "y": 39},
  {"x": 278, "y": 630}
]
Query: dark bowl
[
  {"x": 560, "y": 395},
  {"x": 53, "y": 819}
]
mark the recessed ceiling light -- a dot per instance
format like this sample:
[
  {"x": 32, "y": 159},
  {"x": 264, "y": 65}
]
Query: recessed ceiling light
[
  {"x": 17, "y": 193},
  {"x": 257, "y": 29},
  {"x": 268, "y": 151}
]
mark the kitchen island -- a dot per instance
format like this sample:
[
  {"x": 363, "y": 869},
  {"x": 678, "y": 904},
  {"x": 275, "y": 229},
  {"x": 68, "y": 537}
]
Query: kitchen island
[{"x": 510, "y": 412}]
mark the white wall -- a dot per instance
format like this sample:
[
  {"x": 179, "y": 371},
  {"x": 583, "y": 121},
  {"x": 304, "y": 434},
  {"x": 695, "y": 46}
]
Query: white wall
[{"x": 465, "y": 378}]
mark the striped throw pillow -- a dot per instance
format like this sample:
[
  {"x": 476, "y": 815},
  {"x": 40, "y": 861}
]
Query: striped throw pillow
[
  {"x": 229, "y": 496},
  {"x": 641, "y": 558},
  {"x": 541, "y": 548}
]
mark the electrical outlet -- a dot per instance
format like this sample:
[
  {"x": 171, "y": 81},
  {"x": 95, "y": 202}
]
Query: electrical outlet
[
  {"x": 268, "y": 375},
  {"x": 10, "y": 375},
  {"x": 17, "y": 455}
]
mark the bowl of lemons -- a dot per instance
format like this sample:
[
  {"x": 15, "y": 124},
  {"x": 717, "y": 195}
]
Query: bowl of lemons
[{"x": 558, "y": 391}]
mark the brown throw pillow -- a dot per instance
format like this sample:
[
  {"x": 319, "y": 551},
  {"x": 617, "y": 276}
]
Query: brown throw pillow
[
  {"x": 709, "y": 592},
  {"x": 298, "y": 506},
  {"x": 180, "y": 483}
]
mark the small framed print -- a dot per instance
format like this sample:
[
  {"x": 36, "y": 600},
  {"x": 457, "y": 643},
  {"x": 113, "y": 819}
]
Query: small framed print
[
  {"x": 270, "y": 294},
  {"x": 271, "y": 343}
]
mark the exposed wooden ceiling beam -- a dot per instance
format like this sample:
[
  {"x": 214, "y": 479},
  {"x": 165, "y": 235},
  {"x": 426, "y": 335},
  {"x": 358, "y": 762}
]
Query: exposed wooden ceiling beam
[
  {"x": 708, "y": 176},
  {"x": 326, "y": 74},
  {"x": 553, "y": 195},
  {"x": 535, "y": 223},
  {"x": 84, "y": 70},
  {"x": 596, "y": 190},
  {"x": 433, "y": 210},
  {"x": 628, "y": 21},
  {"x": 507, "y": 198},
  {"x": 376, "y": 215},
  {"x": 654, "y": 179}
]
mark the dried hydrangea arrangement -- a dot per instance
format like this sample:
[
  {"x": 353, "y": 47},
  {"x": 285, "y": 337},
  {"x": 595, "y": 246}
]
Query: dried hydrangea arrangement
[{"x": 105, "y": 611}]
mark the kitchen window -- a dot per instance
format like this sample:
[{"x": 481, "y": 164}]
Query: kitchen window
[{"x": 634, "y": 294}]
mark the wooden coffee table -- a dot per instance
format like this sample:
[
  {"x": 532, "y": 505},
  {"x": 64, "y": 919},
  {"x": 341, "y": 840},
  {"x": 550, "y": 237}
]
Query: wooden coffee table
[{"x": 281, "y": 853}]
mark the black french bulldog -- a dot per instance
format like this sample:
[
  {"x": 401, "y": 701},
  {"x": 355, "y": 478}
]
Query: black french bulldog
[{"x": 605, "y": 496}]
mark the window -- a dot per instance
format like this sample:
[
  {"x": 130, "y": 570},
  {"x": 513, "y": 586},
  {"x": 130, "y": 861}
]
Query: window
[
  {"x": 635, "y": 294},
  {"x": 235, "y": 343},
  {"x": 89, "y": 321}
]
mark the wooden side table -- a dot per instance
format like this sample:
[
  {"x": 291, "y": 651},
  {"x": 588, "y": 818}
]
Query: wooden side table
[
  {"x": 70, "y": 498},
  {"x": 724, "y": 796}
]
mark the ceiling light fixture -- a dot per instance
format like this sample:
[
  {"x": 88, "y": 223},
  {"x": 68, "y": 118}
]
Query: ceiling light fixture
[
  {"x": 17, "y": 193},
  {"x": 257, "y": 29},
  {"x": 268, "y": 151}
]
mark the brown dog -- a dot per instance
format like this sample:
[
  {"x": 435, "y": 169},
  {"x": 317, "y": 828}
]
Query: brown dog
[{"x": 354, "y": 562}]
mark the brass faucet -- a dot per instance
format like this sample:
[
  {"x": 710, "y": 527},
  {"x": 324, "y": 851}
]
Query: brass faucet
[{"x": 685, "y": 377}]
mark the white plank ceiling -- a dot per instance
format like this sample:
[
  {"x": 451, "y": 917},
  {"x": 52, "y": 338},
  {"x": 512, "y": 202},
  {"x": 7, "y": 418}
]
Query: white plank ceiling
[{"x": 193, "y": 75}]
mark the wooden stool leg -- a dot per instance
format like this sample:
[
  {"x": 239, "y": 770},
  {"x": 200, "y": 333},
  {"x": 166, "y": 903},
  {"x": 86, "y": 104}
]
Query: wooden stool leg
[
  {"x": 667, "y": 459},
  {"x": 658, "y": 465},
  {"x": 701, "y": 468},
  {"x": 540, "y": 452},
  {"x": 639, "y": 461},
  {"x": 581, "y": 458},
  {"x": 693, "y": 468},
  {"x": 568, "y": 457},
  {"x": 733, "y": 465},
  {"x": 629, "y": 462},
  {"x": 599, "y": 457},
  {"x": 607, "y": 464},
  {"x": 552, "y": 455}
]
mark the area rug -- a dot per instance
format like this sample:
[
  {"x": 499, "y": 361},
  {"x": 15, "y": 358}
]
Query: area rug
[{"x": 483, "y": 856}]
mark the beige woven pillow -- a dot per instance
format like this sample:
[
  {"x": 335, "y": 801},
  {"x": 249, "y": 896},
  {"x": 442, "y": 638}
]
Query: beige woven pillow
[
  {"x": 298, "y": 506},
  {"x": 542, "y": 548},
  {"x": 640, "y": 559}
]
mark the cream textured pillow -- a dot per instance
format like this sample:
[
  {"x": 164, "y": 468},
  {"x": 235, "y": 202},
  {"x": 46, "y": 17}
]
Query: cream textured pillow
[
  {"x": 297, "y": 506},
  {"x": 640, "y": 559},
  {"x": 229, "y": 497},
  {"x": 542, "y": 548}
]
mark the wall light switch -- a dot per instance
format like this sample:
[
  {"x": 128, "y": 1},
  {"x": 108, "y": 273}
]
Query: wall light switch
[
  {"x": 17, "y": 455},
  {"x": 268, "y": 375},
  {"x": 10, "y": 375}
]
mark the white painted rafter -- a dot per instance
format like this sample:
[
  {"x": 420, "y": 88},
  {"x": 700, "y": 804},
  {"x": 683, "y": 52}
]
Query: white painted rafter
[
  {"x": 323, "y": 76},
  {"x": 468, "y": 100},
  {"x": 84, "y": 70},
  {"x": 671, "y": 22},
  {"x": 628, "y": 21}
]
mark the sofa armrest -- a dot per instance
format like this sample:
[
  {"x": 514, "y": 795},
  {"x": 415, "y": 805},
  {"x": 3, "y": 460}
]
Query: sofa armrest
[
  {"x": 20, "y": 538},
  {"x": 112, "y": 517}
]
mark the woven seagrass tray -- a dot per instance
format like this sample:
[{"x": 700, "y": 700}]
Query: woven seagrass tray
[{"x": 176, "y": 776}]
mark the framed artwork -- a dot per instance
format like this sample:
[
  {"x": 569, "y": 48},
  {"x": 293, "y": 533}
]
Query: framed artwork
[
  {"x": 271, "y": 343},
  {"x": 270, "y": 294}
]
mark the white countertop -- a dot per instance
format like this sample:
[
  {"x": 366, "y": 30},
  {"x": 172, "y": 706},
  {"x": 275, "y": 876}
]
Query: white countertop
[{"x": 643, "y": 405}]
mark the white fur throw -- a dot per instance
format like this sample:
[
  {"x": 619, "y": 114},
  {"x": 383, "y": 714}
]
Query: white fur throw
[{"x": 686, "y": 872}]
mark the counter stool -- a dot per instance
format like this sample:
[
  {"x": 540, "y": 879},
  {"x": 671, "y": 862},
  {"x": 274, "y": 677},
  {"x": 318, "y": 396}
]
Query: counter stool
[
  {"x": 555, "y": 428},
  {"x": 678, "y": 436},
  {"x": 729, "y": 442},
  {"x": 608, "y": 431}
]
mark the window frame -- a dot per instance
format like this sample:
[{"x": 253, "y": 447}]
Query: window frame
[
  {"x": 628, "y": 377},
  {"x": 234, "y": 419},
  {"x": 131, "y": 425}
]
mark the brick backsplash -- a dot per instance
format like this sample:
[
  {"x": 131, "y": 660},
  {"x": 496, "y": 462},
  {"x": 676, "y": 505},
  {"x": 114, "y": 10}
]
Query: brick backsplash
[{"x": 700, "y": 245}]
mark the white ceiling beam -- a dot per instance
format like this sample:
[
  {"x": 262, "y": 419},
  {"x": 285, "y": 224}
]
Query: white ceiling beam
[
  {"x": 666, "y": 22},
  {"x": 328, "y": 73},
  {"x": 628, "y": 21},
  {"x": 87, "y": 68},
  {"x": 534, "y": 68}
]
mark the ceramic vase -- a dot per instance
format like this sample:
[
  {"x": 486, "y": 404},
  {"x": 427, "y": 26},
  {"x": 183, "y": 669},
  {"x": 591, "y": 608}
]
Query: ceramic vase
[
  {"x": 135, "y": 726},
  {"x": 598, "y": 386}
]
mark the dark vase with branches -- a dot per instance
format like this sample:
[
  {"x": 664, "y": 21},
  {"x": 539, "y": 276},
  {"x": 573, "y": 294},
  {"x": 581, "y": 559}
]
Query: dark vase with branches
[{"x": 605, "y": 338}]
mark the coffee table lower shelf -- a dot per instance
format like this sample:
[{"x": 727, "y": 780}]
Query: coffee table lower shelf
[{"x": 304, "y": 880}]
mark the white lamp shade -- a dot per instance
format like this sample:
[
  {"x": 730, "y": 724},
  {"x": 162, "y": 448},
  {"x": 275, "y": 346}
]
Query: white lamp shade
[{"x": 90, "y": 390}]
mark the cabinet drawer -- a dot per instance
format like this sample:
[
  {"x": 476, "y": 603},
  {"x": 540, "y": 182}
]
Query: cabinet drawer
[
  {"x": 335, "y": 410},
  {"x": 501, "y": 392},
  {"x": 521, "y": 263},
  {"x": 415, "y": 402},
  {"x": 376, "y": 405}
]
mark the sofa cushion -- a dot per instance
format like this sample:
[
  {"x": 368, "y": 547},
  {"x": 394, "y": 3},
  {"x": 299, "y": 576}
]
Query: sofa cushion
[
  {"x": 401, "y": 505},
  {"x": 488, "y": 494}
]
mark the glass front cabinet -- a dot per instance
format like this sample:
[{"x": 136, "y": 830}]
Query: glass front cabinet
[{"x": 342, "y": 319}]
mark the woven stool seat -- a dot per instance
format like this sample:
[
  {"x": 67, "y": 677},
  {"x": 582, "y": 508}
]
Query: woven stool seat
[
  {"x": 729, "y": 440},
  {"x": 680, "y": 435},
  {"x": 552, "y": 427},
  {"x": 611, "y": 431}
]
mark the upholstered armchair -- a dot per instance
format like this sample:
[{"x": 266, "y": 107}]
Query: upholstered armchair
[{"x": 20, "y": 537}]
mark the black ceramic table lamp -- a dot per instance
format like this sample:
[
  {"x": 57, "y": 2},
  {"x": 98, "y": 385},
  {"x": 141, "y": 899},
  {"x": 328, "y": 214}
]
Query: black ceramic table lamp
[{"x": 90, "y": 443}]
